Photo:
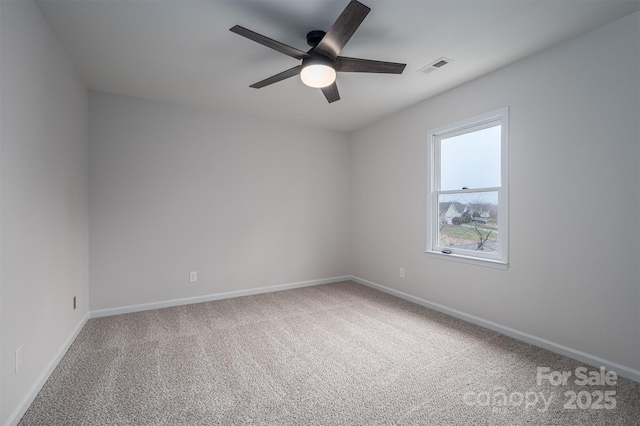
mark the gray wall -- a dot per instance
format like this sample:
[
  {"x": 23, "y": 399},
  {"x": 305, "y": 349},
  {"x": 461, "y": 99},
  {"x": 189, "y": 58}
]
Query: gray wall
[
  {"x": 44, "y": 198},
  {"x": 244, "y": 202},
  {"x": 574, "y": 197}
]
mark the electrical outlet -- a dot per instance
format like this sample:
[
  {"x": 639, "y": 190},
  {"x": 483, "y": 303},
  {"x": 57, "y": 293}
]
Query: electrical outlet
[
  {"x": 401, "y": 273},
  {"x": 193, "y": 276},
  {"x": 18, "y": 359}
]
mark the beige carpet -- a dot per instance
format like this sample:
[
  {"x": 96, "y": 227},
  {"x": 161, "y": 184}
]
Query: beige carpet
[{"x": 333, "y": 354}]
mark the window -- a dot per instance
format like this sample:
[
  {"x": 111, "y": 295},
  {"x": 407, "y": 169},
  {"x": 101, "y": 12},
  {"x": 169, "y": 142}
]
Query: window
[{"x": 467, "y": 203}]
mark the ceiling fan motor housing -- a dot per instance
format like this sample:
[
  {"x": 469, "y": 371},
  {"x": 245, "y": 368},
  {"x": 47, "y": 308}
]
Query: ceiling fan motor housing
[
  {"x": 317, "y": 59},
  {"x": 314, "y": 37}
]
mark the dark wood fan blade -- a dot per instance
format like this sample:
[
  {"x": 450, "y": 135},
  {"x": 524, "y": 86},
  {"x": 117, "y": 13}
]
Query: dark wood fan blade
[
  {"x": 278, "y": 77},
  {"x": 342, "y": 30},
  {"x": 344, "y": 64},
  {"x": 266, "y": 41},
  {"x": 331, "y": 92}
]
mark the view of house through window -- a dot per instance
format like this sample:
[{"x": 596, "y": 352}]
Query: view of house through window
[
  {"x": 467, "y": 206},
  {"x": 469, "y": 221}
]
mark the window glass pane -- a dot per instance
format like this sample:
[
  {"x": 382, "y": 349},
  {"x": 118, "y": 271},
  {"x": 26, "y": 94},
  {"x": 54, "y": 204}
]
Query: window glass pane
[
  {"x": 471, "y": 160},
  {"x": 468, "y": 221}
]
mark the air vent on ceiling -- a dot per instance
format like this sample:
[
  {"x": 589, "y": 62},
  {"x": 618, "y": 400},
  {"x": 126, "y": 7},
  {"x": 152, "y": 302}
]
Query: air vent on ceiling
[{"x": 438, "y": 63}]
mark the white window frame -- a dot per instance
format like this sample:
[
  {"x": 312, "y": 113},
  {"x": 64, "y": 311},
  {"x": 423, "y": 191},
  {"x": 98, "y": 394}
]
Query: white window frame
[{"x": 479, "y": 122}]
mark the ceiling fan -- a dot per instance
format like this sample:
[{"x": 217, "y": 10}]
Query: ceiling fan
[{"x": 321, "y": 63}]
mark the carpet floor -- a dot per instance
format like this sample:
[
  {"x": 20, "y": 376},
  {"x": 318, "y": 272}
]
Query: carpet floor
[{"x": 334, "y": 354}]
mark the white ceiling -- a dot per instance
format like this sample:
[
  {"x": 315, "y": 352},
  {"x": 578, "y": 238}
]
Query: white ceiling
[{"x": 181, "y": 51}]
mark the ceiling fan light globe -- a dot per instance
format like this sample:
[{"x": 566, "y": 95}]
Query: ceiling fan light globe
[{"x": 318, "y": 75}]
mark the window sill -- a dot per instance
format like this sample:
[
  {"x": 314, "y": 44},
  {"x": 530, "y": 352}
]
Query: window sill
[{"x": 497, "y": 264}]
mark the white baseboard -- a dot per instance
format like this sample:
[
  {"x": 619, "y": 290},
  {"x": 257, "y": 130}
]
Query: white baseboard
[
  {"x": 22, "y": 407},
  {"x": 210, "y": 297},
  {"x": 621, "y": 370}
]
